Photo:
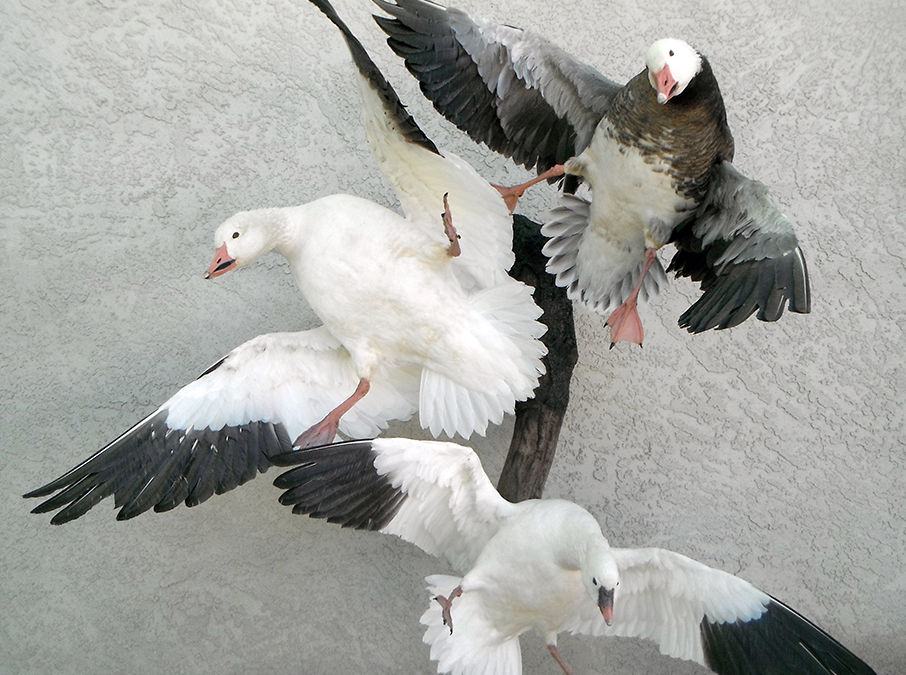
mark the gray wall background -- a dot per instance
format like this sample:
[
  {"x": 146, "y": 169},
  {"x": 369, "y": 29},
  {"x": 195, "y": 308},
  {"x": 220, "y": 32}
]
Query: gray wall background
[{"x": 129, "y": 130}]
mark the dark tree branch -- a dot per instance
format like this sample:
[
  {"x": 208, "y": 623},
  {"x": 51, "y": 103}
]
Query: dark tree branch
[{"x": 539, "y": 419}]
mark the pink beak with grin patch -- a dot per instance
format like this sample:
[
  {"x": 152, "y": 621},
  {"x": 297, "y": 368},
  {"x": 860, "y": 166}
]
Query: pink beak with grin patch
[
  {"x": 666, "y": 84},
  {"x": 605, "y": 604},
  {"x": 221, "y": 264}
]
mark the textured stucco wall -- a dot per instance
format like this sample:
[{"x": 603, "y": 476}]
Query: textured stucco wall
[{"x": 129, "y": 130}]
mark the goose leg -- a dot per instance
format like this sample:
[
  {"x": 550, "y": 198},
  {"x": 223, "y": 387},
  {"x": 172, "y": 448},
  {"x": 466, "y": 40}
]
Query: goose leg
[
  {"x": 511, "y": 195},
  {"x": 453, "y": 250},
  {"x": 624, "y": 322},
  {"x": 324, "y": 431},
  {"x": 559, "y": 659},
  {"x": 447, "y": 603}
]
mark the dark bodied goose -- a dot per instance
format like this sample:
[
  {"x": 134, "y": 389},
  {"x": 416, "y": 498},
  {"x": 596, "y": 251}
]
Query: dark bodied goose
[
  {"x": 655, "y": 152},
  {"x": 544, "y": 565},
  {"x": 414, "y": 320}
]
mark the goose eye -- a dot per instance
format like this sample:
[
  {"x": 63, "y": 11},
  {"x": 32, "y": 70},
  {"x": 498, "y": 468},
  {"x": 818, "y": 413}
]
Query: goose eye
[
  {"x": 670, "y": 52},
  {"x": 235, "y": 235},
  {"x": 594, "y": 581}
]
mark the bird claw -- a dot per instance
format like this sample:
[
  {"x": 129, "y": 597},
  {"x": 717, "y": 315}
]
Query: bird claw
[
  {"x": 321, "y": 433},
  {"x": 625, "y": 324},
  {"x": 454, "y": 249},
  {"x": 447, "y": 604}
]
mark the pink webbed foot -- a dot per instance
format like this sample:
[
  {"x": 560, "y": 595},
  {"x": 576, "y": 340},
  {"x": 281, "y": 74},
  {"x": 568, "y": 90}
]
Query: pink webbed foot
[
  {"x": 511, "y": 195},
  {"x": 324, "y": 431},
  {"x": 447, "y": 604},
  {"x": 321, "y": 433},
  {"x": 624, "y": 322},
  {"x": 453, "y": 250}
]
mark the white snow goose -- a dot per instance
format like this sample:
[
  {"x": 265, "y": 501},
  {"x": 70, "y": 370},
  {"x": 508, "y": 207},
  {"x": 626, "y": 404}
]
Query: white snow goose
[
  {"x": 428, "y": 291},
  {"x": 545, "y": 565},
  {"x": 405, "y": 321},
  {"x": 656, "y": 154}
]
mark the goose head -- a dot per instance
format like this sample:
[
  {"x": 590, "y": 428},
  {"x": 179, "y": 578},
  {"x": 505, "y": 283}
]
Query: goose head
[
  {"x": 671, "y": 65},
  {"x": 601, "y": 578},
  {"x": 243, "y": 238}
]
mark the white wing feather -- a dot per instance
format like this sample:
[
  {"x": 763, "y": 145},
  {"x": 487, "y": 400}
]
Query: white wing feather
[
  {"x": 663, "y": 596},
  {"x": 451, "y": 510},
  {"x": 421, "y": 178},
  {"x": 295, "y": 379}
]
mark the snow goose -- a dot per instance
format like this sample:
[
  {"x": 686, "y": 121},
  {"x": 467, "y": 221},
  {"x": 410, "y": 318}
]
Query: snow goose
[
  {"x": 545, "y": 565},
  {"x": 406, "y": 321},
  {"x": 656, "y": 154},
  {"x": 422, "y": 291}
]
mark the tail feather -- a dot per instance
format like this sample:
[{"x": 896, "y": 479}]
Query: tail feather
[{"x": 462, "y": 402}]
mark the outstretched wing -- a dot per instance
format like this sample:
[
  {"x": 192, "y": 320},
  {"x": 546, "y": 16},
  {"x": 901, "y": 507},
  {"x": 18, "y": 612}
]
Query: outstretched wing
[
  {"x": 433, "y": 494},
  {"x": 421, "y": 176},
  {"x": 695, "y": 612},
  {"x": 224, "y": 428},
  {"x": 744, "y": 252},
  {"x": 510, "y": 89}
]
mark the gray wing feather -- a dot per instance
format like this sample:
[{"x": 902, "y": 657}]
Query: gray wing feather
[
  {"x": 744, "y": 252},
  {"x": 512, "y": 90}
]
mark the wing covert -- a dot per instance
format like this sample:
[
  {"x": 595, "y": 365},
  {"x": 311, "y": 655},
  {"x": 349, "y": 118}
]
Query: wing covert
[{"x": 421, "y": 176}]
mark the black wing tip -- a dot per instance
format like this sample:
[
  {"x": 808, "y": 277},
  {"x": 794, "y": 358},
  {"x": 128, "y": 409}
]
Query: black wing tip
[
  {"x": 367, "y": 68},
  {"x": 42, "y": 491},
  {"x": 765, "y": 286},
  {"x": 154, "y": 466},
  {"x": 779, "y": 641},
  {"x": 339, "y": 483}
]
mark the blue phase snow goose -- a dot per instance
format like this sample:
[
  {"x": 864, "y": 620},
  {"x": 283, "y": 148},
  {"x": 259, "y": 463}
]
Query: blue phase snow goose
[
  {"x": 544, "y": 564},
  {"x": 655, "y": 152},
  {"x": 415, "y": 319}
]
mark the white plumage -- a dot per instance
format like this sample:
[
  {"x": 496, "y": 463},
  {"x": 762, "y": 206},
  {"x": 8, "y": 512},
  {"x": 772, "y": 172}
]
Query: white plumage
[
  {"x": 544, "y": 565},
  {"x": 407, "y": 327}
]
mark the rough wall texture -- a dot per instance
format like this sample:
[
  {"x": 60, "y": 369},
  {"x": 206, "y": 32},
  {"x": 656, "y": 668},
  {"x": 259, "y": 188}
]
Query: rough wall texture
[{"x": 129, "y": 130}]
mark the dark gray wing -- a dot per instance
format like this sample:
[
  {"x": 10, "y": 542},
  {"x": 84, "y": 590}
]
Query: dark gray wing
[
  {"x": 514, "y": 91},
  {"x": 153, "y": 465},
  {"x": 339, "y": 482},
  {"x": 744, "y": 252}
]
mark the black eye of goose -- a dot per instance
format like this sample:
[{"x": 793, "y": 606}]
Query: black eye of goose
[
  {"x": 670, "y": 52},
  {"x": 235, "y": 235},
  {"x": 594, "y": 581}
]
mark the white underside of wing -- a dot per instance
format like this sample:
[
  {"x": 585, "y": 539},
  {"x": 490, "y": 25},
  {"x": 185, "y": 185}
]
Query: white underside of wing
[
  {"x": 294, "y": 379},
  {"x": 421, "y": 178},
  {"x": 451, "y": 510},
  {"x": 663, "y": 596}
]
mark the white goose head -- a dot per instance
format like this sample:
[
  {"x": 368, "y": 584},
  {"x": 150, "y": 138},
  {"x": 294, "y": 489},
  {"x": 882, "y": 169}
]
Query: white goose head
[
  {"x": 243, "y": 238},
  {"x": 601, "y": 577},
  {"x": 671, "y": 65}
]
